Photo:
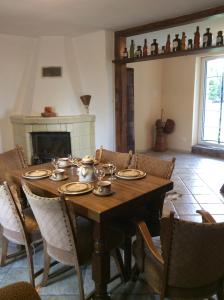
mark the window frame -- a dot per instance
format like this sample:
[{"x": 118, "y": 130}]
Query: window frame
[{"x": 202, "y": 99}]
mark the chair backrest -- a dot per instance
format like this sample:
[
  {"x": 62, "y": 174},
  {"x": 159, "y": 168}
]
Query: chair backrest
[
  {"x": 11, "y": 160},
  {"x": 54, "y": 223},
  {"x": 193, "y": 253},
  {"x": 153, "y": 165},
  {"x": 121, "y": 160},
  {"x": 10, "y": 218}
]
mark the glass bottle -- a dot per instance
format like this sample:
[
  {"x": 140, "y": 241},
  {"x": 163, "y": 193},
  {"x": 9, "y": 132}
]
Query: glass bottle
[
  {"x": 125, "y": 53},
  {"x": 183, "y": 41},
  {"x": 219, "y": 39},
  {"x": 154, "y": 48},
  {"x": 207, "y": 38},
  {"x": 168, "y": 44},
  {"x": 163, "y": 50},
  {"x": 197, "y": 38},
  {"x": 132, "y": 49},
  {"x": 190, "y": 44},
  {"x": 176, "y": 43},
  {"x": 138, "y": 52},
  {"x": 145, "y": 48}
]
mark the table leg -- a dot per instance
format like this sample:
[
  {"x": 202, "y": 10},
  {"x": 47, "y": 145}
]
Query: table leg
[{"x": 101, "y": 264}]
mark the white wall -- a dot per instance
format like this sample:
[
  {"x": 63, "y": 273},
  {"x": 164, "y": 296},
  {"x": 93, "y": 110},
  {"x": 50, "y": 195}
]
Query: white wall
[
  {"x": 14, "y": 53},
  {"x": 86, "y": 68},
  {"x": 148, "y": 101},
  {"x": 178, "y": 99}
]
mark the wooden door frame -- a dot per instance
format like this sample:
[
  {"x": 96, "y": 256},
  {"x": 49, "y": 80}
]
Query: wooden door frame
[{"x": 121, "y": 69}]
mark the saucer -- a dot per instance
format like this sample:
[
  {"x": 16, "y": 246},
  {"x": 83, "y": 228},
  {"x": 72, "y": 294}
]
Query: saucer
[
  {"x": 95, "y": 192},
  {"x": 58, "y": 179}
]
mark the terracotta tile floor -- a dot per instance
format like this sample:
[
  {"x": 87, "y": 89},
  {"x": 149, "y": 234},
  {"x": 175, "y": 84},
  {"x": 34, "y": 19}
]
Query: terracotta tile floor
[{"x": 197, "y": 181}]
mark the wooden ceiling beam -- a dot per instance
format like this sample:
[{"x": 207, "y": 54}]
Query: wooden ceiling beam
[{"x": 173, "y": 22}]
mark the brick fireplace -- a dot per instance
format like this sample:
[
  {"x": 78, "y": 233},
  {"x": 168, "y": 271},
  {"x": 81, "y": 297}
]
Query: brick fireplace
[{"x": 81, "y": 129}]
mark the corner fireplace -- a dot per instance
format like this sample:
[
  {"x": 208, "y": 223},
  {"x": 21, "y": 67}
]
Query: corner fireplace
[
  {"x": 47, "y": 145},
  {"x": 79, "y": 129}
]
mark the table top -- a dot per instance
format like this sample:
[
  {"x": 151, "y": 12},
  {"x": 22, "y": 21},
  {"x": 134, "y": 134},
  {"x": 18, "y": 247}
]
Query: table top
[{"x": 128, "y": 194}]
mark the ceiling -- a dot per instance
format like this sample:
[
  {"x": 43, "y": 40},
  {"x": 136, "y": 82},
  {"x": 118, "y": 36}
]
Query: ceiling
[{"x": 76, "y": 17}]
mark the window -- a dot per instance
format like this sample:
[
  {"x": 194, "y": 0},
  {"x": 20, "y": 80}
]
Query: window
[{"x": 212, "y": 113}]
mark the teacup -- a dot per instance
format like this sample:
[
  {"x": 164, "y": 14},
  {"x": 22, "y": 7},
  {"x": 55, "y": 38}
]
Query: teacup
[
  {"x": 58, "y": 174},
  {"x": 63, "y": 162},
  {"x": 103, "y": 187}
]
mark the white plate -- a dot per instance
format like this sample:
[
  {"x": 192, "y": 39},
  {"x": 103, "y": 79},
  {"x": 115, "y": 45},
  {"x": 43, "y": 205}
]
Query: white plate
[
  {"x": 75, "y": 188},
  {"x": 37, "y": 174},
  {"x": 130, "y": 174}
]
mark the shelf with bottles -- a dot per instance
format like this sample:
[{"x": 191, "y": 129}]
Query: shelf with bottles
[{"x": 178, "y": 47}]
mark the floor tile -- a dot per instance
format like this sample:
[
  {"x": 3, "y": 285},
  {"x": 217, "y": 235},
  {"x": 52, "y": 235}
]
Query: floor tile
[
  {"x": 192, "y": 218},
  {"x": 216, "y": 209},
  {"x": 207, "y": 199},
  {"x": 186, "y": 208}
]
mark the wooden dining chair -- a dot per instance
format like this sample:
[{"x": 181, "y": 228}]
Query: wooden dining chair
[
  {"x": 13, "y": 160},
  {"x": 18, "y": 227},
  {"x": 160, "y": 168},
  {"x": 121, "y": 160},
  {"x": 188, "y": 262},
  {"x": 151, "y": 213},
  {"x": 19, "y": 291},
  {"x": 67, "y": 238}
]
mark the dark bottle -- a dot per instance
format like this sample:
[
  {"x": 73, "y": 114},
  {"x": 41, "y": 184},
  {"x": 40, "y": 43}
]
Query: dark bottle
[
  {"x": 154, "y": 48},
  {"x": 197, "y": 38},
  {"x": 190, "y": 44},
  {"x": 138, "y": 52},
  {"x": 176, "y": 43},
  {"x": 207, "y": 38},
  {"x": 183, "y": 41},
  {"x": 125, "y": 53},
  {"x": 145, "y": 48},
  {"x": 168, "y": 44},
  {"x": 132, "y": 49},
  {"x": 163, "y": 50},
  {"x": 219, "y": 39}
]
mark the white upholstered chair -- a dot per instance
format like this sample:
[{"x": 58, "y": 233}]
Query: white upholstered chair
[
  {"x": 18, "y": 227},
  {"x": 67, "y": 238}
]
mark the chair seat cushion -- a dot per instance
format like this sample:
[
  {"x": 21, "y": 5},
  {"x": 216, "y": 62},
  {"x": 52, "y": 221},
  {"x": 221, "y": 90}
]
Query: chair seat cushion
[{"x": 153, "y": 270}]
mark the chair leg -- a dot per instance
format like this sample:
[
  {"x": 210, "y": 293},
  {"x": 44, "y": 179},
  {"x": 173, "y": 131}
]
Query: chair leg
[
  {"x": 80, "y": 279},
  {"x": 29, "y": 254},
  {"x": 4, "y": 243},
  {"x": 119, "y": 263},
  {"x": 220, "y": 294},
  {"x": 47, "y": 263},
  {"x": 135, "y": 273},
  {"x": 127, "y": 256}
]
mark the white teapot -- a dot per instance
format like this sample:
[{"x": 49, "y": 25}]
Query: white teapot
[{"x": 86, "y": 170}]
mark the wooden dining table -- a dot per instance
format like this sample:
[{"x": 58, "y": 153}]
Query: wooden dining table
[{"x": 129, "y": 196}]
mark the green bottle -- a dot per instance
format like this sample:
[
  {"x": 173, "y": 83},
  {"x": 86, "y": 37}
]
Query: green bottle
[{"x": 132, "y": 49}]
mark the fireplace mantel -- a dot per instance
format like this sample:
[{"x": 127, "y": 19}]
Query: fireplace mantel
[{"x": 80, "y": 127}]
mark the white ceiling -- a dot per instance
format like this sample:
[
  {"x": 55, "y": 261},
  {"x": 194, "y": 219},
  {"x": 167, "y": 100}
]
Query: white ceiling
[{"x": 75, "y": 17}]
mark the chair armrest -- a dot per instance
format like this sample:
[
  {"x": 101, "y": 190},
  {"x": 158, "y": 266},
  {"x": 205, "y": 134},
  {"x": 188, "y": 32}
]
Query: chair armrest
[
  {"x": 143, "y": 229},
  {"x": 206, "y": 217}
]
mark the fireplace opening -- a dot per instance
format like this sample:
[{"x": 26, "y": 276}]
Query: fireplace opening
[{"x": 47, "y": 145}]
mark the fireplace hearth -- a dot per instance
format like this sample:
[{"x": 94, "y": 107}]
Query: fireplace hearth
[{"x": 47, "y": 145}]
